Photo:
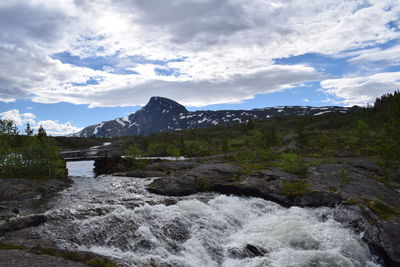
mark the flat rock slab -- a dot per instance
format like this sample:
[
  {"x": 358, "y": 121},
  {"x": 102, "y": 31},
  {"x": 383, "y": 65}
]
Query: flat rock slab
[
  {"x": 22, "y": 258},
  {"x": 22, "y": 222},
  {"x": 20, "y": 189}
]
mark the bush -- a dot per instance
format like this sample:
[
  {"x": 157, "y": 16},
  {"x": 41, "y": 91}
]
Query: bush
[
  {"x": 295, "y": 188},
  {"x": 163, "y": 150},
  {"x": 293, "y": 163},
  {"x": 133, "y": 151}
]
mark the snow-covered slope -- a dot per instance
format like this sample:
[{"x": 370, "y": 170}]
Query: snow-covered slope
[{"x": 163, "y": 114}]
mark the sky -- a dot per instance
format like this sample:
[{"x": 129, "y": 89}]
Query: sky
[{"x": 68, "y": 64}]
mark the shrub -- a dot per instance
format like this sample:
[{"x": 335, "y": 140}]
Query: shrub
[
  {"x": 133, "y": 151},
  {"x": 295, "y": 188},
  {"x": 293, "y": 163}
]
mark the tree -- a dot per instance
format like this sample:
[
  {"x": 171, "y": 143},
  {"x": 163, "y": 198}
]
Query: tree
[
  {"x": 271, "y": 137},
  {"x": 41, "y": 132},
  {"x": 361, "y": 131},
  {"x": 133, "y": 151},
  {"x": 28, "y": 129},
  {"x": 7, "y": 127}
]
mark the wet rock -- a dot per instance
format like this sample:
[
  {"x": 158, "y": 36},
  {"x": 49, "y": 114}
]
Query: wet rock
[
  {"x": 317, "y": 199},
  {"x": 352, "y": 180},
  {"x": 18, "y": 223},
  {"x": 249, "y": 251},
  {"x": 175, "y": 186},
  {"x": 140, "y": 174},
  {"x": 22, "y": 258},
  {"x": 20, "y": 189},
  {"x": 382, "y": 236},
  {"x": 28, "y": 238},
  {"x": 176, "y": 230},
  {"x": 7, "y": 213}
]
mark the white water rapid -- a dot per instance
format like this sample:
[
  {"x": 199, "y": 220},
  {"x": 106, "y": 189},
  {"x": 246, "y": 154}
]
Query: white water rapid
[{"x": 117, "y": 217}]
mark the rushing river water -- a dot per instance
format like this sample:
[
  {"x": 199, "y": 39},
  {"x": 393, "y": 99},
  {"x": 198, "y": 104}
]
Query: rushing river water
[{"x": 116, "y": 216}]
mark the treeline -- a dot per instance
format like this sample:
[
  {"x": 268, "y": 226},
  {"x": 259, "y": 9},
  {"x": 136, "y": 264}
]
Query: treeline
[
  {"x": 372, "y": 132},
  {"x": 28, "y": 156}
]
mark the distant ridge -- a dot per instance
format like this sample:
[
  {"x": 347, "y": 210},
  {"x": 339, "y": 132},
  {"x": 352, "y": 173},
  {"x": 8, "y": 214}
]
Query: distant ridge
[{"x": 161, "y": 114}]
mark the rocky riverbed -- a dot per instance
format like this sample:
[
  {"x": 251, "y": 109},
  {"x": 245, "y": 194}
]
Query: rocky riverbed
[
  {"x": 204, "y": 213},
  {"x": 354, "y": 185},
  {"x": 23, "y": 203}
]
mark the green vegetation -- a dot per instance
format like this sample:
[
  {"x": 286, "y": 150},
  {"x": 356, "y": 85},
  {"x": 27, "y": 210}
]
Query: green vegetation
[
  {"x": 290, "y": 143},
  {"x": 293, "y": 163},
  {"x": 295, "y": 188},
  {"x": 10, "y": 246},
  {"x": 204, "y": 184},
  {"x": 384, "y": 211},
  {"x": 28, "y": 156}
]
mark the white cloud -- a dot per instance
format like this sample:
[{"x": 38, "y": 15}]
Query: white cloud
[
  {"x": 18, "y": 118},
  {"x": 362, "y": 90},
  {"x": 228, "y": 46},
  {"x": 196, "y": 93},
  {"x": 53, "y": 127}
]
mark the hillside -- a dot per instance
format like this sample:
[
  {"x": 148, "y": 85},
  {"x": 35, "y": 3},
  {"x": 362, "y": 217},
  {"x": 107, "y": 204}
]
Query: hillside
[{"x": 163, "y": 115}]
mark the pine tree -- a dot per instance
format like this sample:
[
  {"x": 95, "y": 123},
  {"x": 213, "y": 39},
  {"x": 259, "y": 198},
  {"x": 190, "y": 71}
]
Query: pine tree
[
  {"x": 28, "y": 129},
  {"x": 41, "y": 132}
]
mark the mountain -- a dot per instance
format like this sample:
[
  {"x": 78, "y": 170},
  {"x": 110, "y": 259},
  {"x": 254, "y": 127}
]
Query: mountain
[{"x": 162, "y": 114}]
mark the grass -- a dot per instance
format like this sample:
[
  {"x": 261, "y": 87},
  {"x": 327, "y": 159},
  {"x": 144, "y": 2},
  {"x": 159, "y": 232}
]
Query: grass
[
  {"x": 9, "y": 246},
  {"x": 293, "y": 163},
  {"x": 384, "y": 211},
  {"x": 295, "y": 188},
  {"x": 333, "y": 189},
  {"x": 204, "y": 184}
]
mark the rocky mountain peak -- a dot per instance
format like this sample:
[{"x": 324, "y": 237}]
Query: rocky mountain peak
[{"x": 163, "y": 105}]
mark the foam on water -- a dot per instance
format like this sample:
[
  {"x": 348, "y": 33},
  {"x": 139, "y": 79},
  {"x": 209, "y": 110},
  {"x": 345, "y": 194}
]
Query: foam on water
[{"x": 116, "y": 216}]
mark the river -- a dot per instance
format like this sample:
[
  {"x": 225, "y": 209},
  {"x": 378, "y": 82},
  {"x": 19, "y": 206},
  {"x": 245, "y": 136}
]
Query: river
[{"x": 118, "y": 217}]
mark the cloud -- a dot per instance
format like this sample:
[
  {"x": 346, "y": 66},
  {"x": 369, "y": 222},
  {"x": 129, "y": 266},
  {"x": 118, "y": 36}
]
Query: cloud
[
  {"x": 389, "y": 56},
  {"x": 197, "y": 93},
  {"x": 18, "y": 118},
  {"x": 227, "y": 48},
  {"x": 362, "y": 90},
  {"x": 53, "y": 127}
]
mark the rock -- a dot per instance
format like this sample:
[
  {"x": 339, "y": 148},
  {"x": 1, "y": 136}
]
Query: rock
[
  {"x": 368, "y": 165},
  {"x": 21, "y": 189},
  {"x": 22, "y": 258},
  {"x": 140, "y": 174},
  {"x": 18, "y": 223},
  {"x": 28, "y": 238},
  {"x": 330, "y": 185},
  {"x": 7, "y": 213},
  {"x": 249, "y": 251},
  {"x": 275, "y": 174},
  {"x": 175, "y": 186},
  {"x": 382, "y": 236},
  {"x": 317, "y": 199},
  {"x": 172, "y": 166}
]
